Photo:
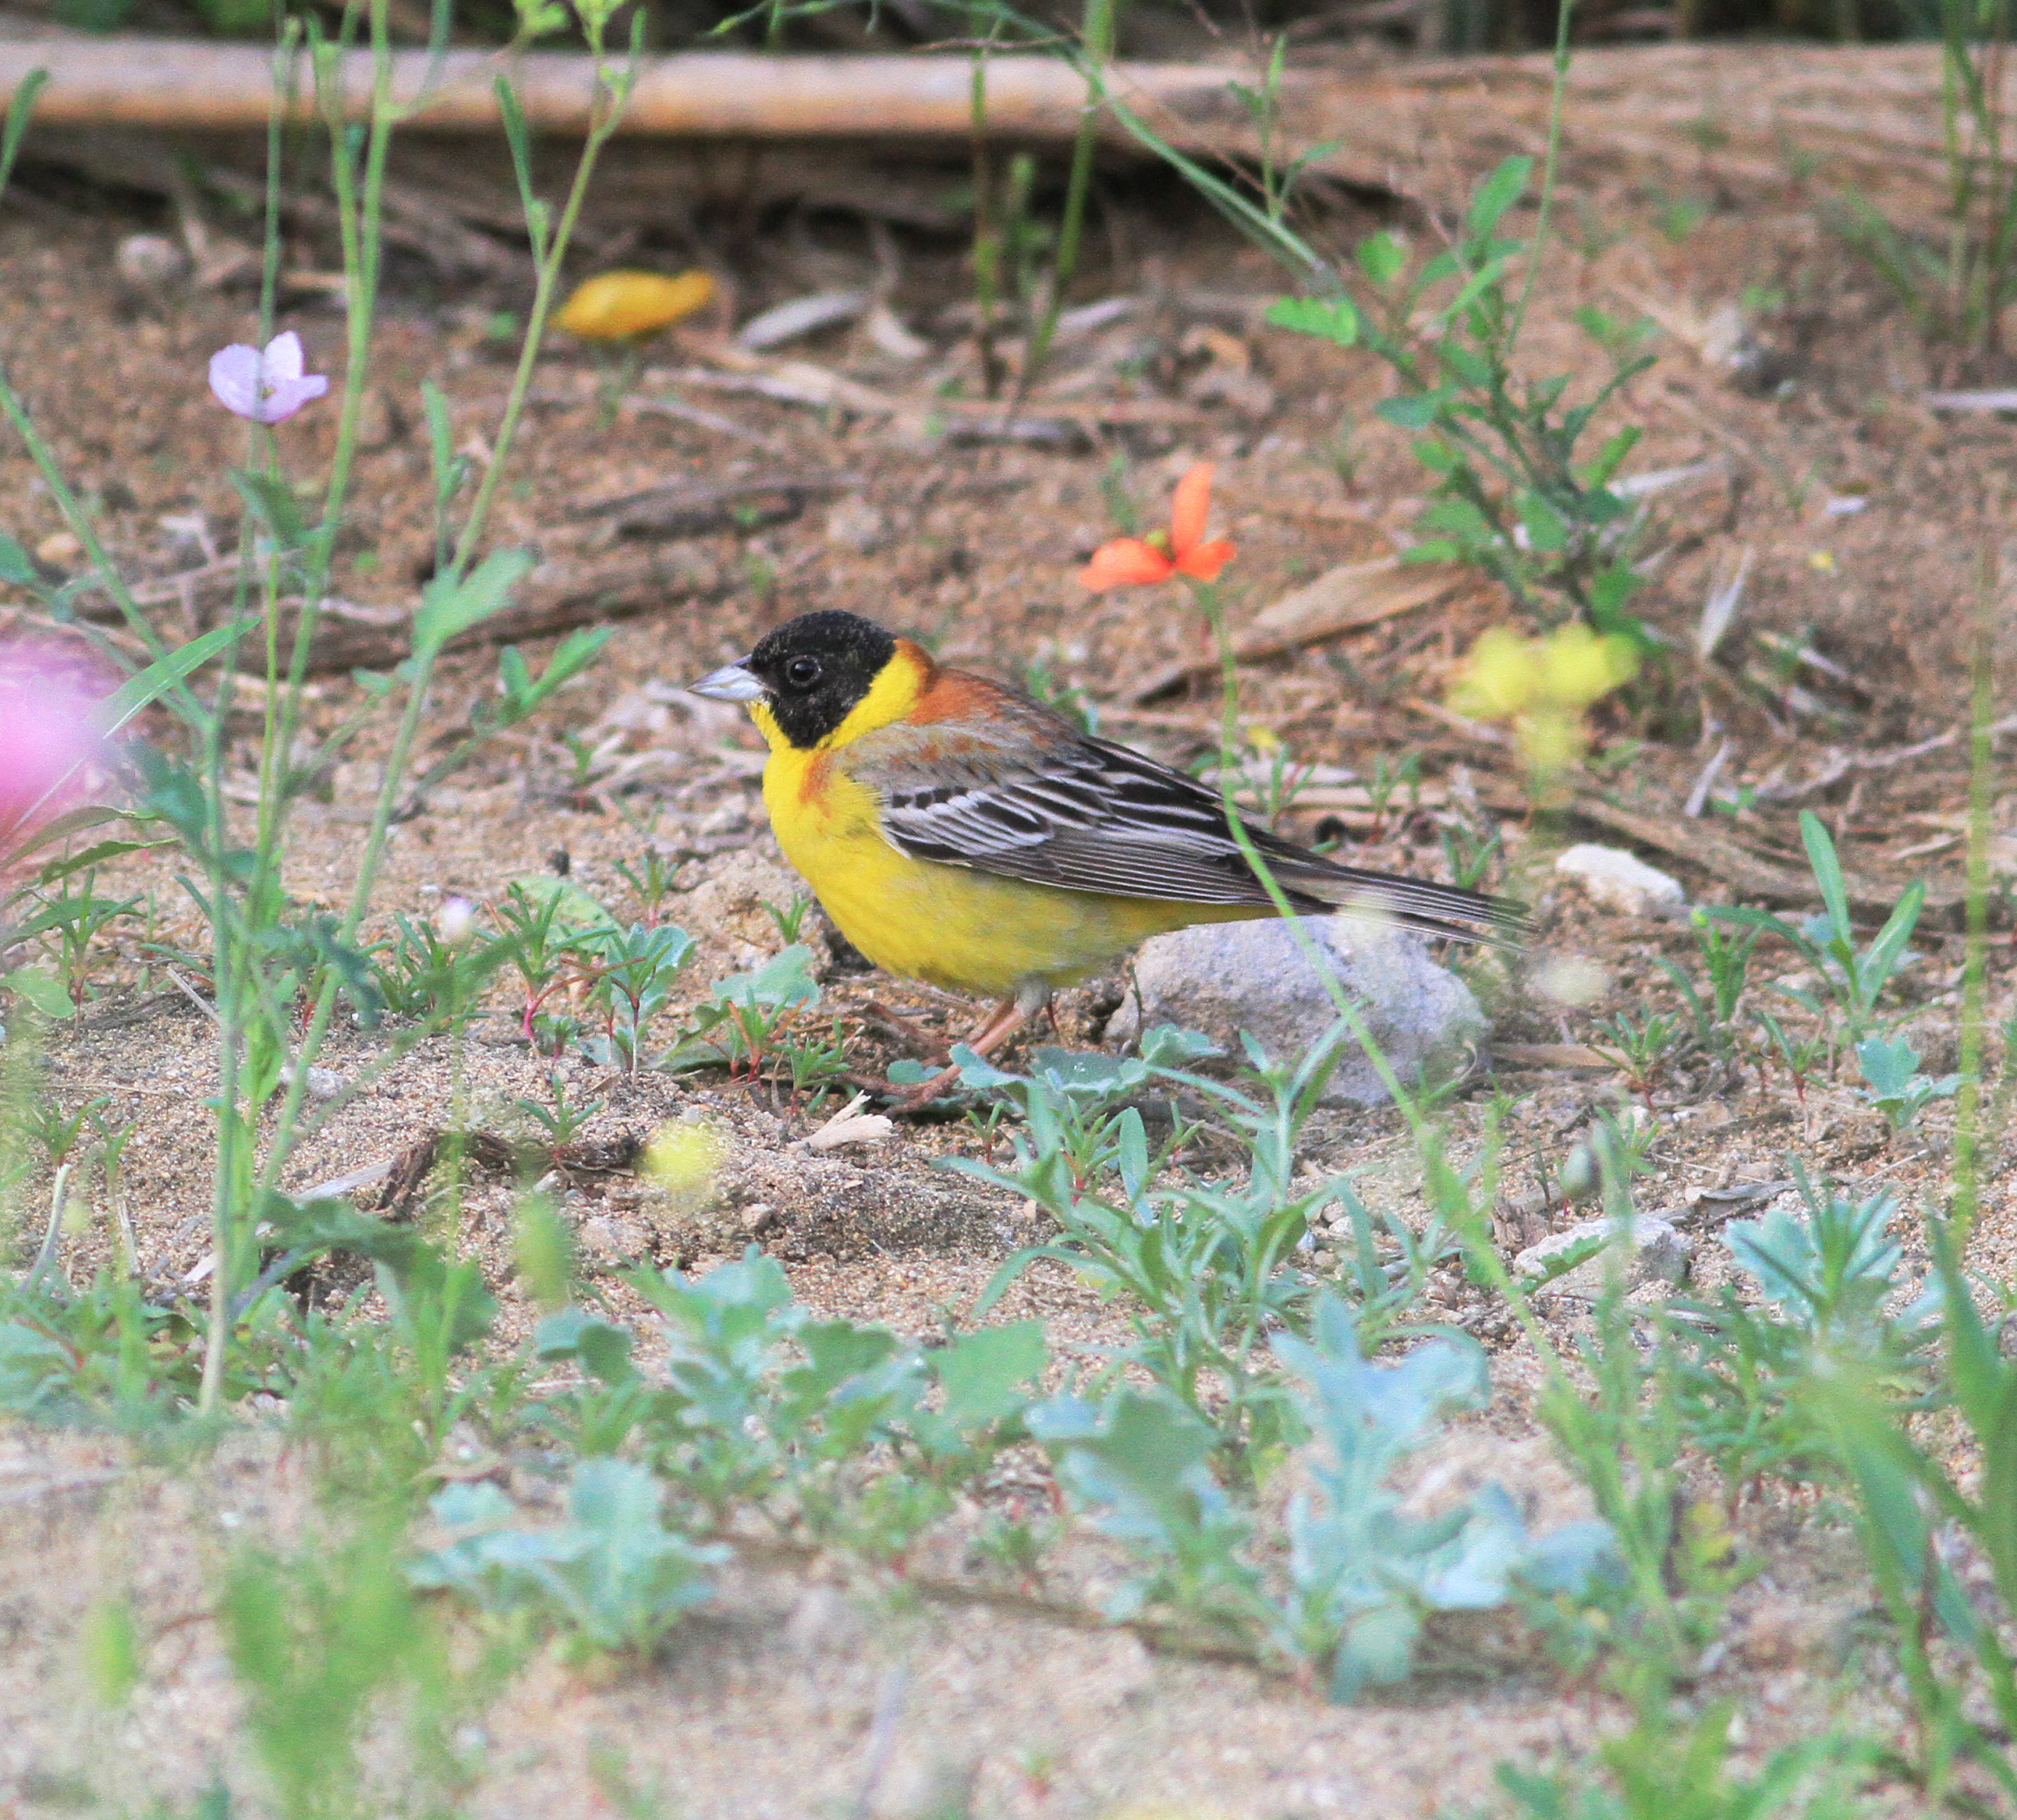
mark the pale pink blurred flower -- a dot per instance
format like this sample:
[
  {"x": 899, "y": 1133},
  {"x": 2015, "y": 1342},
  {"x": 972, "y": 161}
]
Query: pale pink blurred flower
[
  {"x": 457, "y": 921},
  {"x": 266, "y": 387},
  {"x": 52, "y": 738}
]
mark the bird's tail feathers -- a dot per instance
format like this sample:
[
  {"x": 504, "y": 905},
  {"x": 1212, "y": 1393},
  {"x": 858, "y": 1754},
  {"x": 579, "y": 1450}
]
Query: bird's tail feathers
[{"x": 1418, "y": 904}]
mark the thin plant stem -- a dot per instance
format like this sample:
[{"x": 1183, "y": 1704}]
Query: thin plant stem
[
  {"x": 1550, "y": 162},
  {"x": 611, "y": 96},
  {"x": 391, "y": 787},
  {"x": 1974, "y": 963},
  {"x": 987, "y": 230},
  {"x": 1102, "y": 17}
]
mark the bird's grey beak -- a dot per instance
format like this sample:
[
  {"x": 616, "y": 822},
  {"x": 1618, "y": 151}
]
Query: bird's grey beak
[{"x": 731, "y": 682}]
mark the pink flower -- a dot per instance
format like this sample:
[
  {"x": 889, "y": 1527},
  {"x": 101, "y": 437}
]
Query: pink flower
[
  {"x": 267, "y": 388},
  {"x": 50, "y": 713}
]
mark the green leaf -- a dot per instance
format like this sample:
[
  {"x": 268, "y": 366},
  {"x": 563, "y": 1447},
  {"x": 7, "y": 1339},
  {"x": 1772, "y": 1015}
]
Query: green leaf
[
  {"x": 58, "y": 870},
  {"x": 1415, "y": 411},
  {"x": 1328, "y": 319},
  {"x": 1382, "y": 259},
  {"x": 15, "y": 565},
  {"x": 1827, "y": 869},
  {"x": 166, "y": 672},
  {"x": 449, "y": 608},
  {"x": 19, "y": 109},
  {"x": 272, "y": 502},
  {"x": 982, "y": 1373},
  {"x": 42, "y": 990},
  {"x": 1496, "y": 194},
  {"x": 577, "y": 909},
  {"x": 602, "y": 1349},
  {"x": 1547, "y": 531},
  {"x": 1889, "y": 1067}
]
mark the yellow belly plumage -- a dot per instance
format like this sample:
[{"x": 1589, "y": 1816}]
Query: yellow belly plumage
[{"x": 966, "y": 931}]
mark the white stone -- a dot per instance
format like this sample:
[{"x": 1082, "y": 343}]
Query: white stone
[
  {"x": 1657, "y": 1253},
  {"x": 1221, "y": 979},
  {"x": 1620, "y": 880}
]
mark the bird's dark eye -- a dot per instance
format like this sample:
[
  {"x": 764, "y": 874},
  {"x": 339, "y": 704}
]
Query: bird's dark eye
[{"x": 802, "y": 672}]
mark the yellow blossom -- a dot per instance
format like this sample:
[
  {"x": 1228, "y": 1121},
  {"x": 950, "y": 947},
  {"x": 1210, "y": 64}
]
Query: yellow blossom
[
  {"x": 1542, "y": 687},
  {"x": 683, "y": 1159},
  {"x": 1577, "y": 666},
  {"x": 1549, "y": 741},
  {"x": 1498, "y": 678},
  {"x": 618, "y": 306}
]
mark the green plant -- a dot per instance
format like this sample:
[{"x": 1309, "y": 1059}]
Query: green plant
[
  {"x": 789, "y": 920},
  {"x": 1360, "y": 1575},
  {"x": 1270, "y": 780},
  {"x": 1362, "y": 1572},
  {"x": 763, "y": 1409},
  {"x": 633, "y": 972},
  {"x": 1956, "y": 285},
  {"x": 1911, "y": 1507},
  {"x": 745, "y": 1017},
  {"x": 1514, "y": 494},
  {"x": 540, "y": 947},
  {"x": 1208, "y": 1267},
  {"x": 519, "y": 693},
  {"x": 1801, "y": 1057},
  {"x": 278, "y": 975},
  {"x": 652, "y": 879},
  {"x": 1468, "y": 850},
  {"x": 1667, "y": 1769},
  {"x": 1824, "y": 1283},
  {"x": 562, "y": 1123},
  {"x": 1849, "y": 980},
  {"x": 1640, "y": 1047},
  {"x": 611, "y": 1576},
  {"x": 436, "y": 970},
  {"x": 1896, "y": 1088},
  {"x": 1385, "y": 779},
  {"x": 313, "y": 1636},
  {"x": 1726, "y": 957},
  {"x": 70, "y": 922}
]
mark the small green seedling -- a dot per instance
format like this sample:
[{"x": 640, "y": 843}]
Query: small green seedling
[
  {"x": 1896, "y": 1088},
  {"x": 1851, "y": 980}
]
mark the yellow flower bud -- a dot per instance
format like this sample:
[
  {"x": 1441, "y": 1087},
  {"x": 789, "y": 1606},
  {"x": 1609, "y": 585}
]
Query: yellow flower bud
[
  {"x": 1500, "y": 676},
  {"x": 615, "y": 306},
  {"x": 1549, "y": 741},
  {"x": 1577, "y": 666}
]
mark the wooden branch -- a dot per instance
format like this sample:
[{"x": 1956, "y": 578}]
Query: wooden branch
[
  {"x": 179, "y": 83},
  {"x": 1791, "y": 123}
]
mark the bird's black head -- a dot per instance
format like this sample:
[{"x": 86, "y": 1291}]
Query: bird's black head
[{"x": 816, "y": 668}]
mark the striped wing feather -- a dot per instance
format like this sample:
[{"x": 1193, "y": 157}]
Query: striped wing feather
[{"x": 1023, "y": 795}]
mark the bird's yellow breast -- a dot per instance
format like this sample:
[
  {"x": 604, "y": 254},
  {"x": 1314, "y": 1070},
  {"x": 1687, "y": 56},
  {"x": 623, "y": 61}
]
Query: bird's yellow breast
[{"x": 966, "y": 930}]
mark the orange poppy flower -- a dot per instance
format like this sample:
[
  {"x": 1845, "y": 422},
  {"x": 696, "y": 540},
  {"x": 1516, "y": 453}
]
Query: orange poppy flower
[{"x": 1129, "y": 562}]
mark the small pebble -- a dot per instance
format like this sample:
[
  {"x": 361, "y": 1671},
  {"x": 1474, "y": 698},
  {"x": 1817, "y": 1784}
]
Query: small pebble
[
  {"x": 1619, "y": 880},
  {"x": 151, "y": 259}
]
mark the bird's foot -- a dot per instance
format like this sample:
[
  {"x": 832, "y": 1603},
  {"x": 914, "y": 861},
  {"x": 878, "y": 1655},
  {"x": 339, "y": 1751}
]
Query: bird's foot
[{"x": 932, "y": 1048}]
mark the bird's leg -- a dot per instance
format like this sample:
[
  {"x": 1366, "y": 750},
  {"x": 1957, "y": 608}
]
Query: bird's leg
[
  {"x": 996, "y": 1029},
  {"x": 932, "y": 1048}
]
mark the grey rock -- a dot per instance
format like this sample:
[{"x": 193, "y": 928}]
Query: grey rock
[
  {"x": 1222, "y": 979},
  {"x": 1658, "y": 1253}
]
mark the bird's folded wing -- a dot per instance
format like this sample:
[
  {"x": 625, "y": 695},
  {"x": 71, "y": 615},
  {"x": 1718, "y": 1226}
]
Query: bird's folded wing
[{"x": 1083, "y": 815}]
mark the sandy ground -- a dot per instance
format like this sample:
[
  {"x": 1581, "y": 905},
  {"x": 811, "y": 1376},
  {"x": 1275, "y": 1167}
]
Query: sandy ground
[{"x": 818, "y": 1690}]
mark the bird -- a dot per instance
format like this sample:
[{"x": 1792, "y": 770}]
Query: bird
[{"x": 959, "y": 832}]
